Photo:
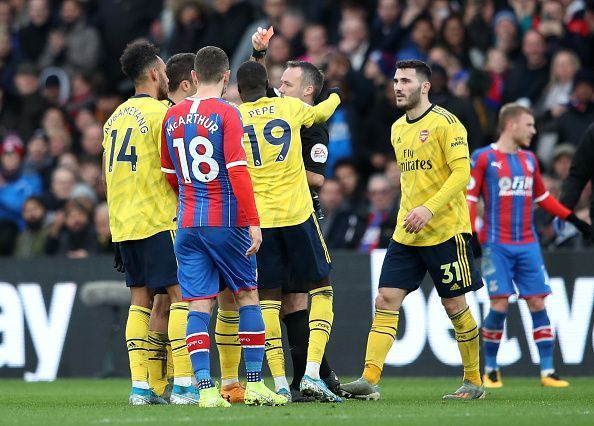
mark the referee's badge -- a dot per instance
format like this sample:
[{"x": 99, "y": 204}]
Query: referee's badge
[{"x": 424, "y": 135}]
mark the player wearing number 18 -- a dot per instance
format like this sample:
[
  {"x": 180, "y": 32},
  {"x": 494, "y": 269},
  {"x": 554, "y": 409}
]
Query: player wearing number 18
[{"x": 141, "y": 212}]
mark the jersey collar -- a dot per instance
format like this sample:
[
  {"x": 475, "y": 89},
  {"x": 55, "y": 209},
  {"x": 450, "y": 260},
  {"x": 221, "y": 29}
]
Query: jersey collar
[{"x": 420, "y": 116}]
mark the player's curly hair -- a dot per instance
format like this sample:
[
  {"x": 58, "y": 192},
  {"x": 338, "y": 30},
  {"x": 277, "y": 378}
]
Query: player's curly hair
[{"x": 137, "y": 57}]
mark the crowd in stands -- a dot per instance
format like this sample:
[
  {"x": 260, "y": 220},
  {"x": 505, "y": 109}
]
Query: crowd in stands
[{"x": 60, "y": 80}]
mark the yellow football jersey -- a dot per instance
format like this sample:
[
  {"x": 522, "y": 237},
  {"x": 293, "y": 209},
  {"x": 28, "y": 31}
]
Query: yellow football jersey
[
  {"x": 272, "y": 142},
  {"x": 424, "y": 149},
  {"x": 141, "y": 202}
]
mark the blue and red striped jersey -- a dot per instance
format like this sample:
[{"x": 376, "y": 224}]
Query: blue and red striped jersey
[
  {"x": 510, "y": 184},
  {"x": 201, "y": 140}
]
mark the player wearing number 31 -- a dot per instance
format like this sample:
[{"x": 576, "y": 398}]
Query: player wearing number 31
[{"x": 432, "y": 231}]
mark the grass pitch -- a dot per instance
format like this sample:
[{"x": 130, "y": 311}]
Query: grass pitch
[{"x": 404, "y": 401}]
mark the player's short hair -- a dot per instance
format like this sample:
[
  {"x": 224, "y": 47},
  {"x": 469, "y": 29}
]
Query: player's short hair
[
  {"x": 511, "y": 111},
  {"x": 251, "y": 76},
  {"x": 311, "y": 75},
  {"x": 179, "y": 68},
  {"x": 422, "y": 69},
  {"x": 211, "y": 64},
  {"x": 137, "y": 57}
]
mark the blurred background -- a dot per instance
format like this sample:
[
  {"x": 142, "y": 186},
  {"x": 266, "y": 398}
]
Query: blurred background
[{"x": 60, "y": 80}]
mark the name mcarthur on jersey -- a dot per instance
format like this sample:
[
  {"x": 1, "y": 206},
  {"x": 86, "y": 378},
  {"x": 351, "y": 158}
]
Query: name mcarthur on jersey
[
  {"x": 132, "y": 111},
  {"x": 192, "y": 118}
]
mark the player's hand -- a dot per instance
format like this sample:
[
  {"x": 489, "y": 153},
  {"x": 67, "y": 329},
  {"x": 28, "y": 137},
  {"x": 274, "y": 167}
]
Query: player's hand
[
  {"x": 584, "y": 227},
  {"x": 315, "y": 198},
  {"x": 118, "y": 263},
  {"x": 416, "y": 219},
  {"x": 335, "y": 90},
  {"x": 258, "y": 42},
  {"x": 256, "y": 238}
]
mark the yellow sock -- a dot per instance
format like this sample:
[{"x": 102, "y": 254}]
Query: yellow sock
[
  {"x": 157, "y": 360},
  {"x": 467, "y": 333},
  {"x": 380, "y": 340},
  {"x": 169, "y": 361},
  {"x": 320, "y": 323},
  {"x": 274, "y": 343},
  {"x": 136, "y": 341},
  {"x": 226, "y": 336},
  {"x": 178, "y": 322}
]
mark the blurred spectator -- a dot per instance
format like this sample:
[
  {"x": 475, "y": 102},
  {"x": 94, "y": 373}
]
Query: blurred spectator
[
  {"x": 413, "y": 9},
  {"x": 291, "y": 27},
  {"x": 505, "y": 28},
  {"x": 385, "y": 27},
  {"x": 31, "y": 242},
  {"x": 421, "y": 39},
  {"x": 38, "y": 160},
  {"x": 15, "y": 185},
  {"x": 9, "y": 61},
  {"x": 381, "y": 217},
  {"x": 316, "y": 45},
  {"x": 354, "y": 42},
  {"x": 340, "y": 226},
  {"x": 525, "y": 11},
  {"x": 73, "y": 45},
  {"x": 82, "y": 94},
  {"x": 279, "y": 51},
  {"x": 460, "y": 107},
  {"x": 191, "y": 26},
  {"x": 29, "y": 106},
  {"x": 232, "y": 15},
  {"x": 550, "y": 23},
  {"x": 440, "y": 11},
  {"x": 556, "y": 95},
  {"x": 272, "y": 13},
  {"x": 350, "y": 183},
  {"x": 562, "y": 157},
  {"x": 529, "y": 76},
  {"x": 33, "y": 36},
  {"x": 72, "y": 233},
  {"x": 90, "y": 175},
  {"x": 62, "y": 185},
  {"x": 92, "y": 141},
  {"x": 453, "y": 36},
  {"x": 582, "y": 38},
  {"x": 478, "y": 16},
  {"x": 105, "y": 245}
]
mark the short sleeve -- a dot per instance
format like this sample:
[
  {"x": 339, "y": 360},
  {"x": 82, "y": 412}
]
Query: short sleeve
[
  {"x": 234, "y": 151},
  {"x": 315, "y": 148},
  {"x": 166, "y": 161}
]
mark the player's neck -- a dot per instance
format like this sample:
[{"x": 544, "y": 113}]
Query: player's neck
[
  {"x": 145, "y": 89},
  {"x": 418, "y": 110},
  {"x": 506, "y": 145},
  {"x": 178, "y": 96},
  {"x": 209, "y": 91},
  {"x": 253, "y": 96}
]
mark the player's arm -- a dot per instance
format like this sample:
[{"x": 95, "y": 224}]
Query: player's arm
[
  {"x": 551, "y": 205},
  {"x": 455, "y": 147},
  {"x": 582, "y": 170},
  {"x": 241, "y": 182},
  {"x": 167, "y": 166},
  {"x": 260, "y": 41},
  {"x": 320, "y": 113}
]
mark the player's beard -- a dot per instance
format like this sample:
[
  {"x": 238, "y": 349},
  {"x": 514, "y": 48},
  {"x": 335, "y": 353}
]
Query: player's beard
[
  {"x": 162, "y": 91},
  {"x": 412, "y": 101}
]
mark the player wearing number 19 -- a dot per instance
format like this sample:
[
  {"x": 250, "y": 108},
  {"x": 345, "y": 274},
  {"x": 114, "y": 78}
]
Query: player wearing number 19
[
  {"x": 141, "y": 211},
  {"x": 293, "y": 246}
]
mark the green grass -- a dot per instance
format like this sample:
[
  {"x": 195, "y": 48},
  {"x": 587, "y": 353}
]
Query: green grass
[{"x": 404, "y": 401}]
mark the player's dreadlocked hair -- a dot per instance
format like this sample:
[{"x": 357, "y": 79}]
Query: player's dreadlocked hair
[
  {"x": 179, "y": 68},
  {"x": 137, "y": 57}
]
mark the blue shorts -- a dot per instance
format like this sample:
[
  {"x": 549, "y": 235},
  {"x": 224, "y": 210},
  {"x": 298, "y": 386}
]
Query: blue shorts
[
  {"x": 205, "y": 254},
  {"x": 450, "y": 264},
  {"x": 292, "y": 256},
  {"x": 522, "y": 264},
  {"x": 150, "y": 262}
]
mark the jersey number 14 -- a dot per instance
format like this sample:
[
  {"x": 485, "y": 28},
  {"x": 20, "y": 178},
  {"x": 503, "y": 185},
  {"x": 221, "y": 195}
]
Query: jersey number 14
[{"x": 131, "y": 158}]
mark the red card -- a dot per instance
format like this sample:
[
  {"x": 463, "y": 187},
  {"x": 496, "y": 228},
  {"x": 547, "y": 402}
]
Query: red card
[{"x": 269, "y": 33}]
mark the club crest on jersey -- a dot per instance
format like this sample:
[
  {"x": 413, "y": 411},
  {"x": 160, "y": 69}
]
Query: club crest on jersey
[{"x": 424, "y": 135}]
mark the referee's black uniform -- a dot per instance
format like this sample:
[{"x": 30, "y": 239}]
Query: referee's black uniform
[{"x": 582, "y": 171}]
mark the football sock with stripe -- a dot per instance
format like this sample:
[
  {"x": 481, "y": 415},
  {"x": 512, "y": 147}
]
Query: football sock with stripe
[
  {"x": 157, "y": 360},
  {"x": 182, "y": 366},
  {"x": 252, "y": 337},
  {"x": 198, "y": 344},
  {"x": 321, "y": 317},
  {"x": 380, "y": 340},
  {"x": 274, "y": 343},
  {"x": 137, "y": 342},
  {"x": 543, "y": 337},
  {"x": 297, "y": 324},
  {"x": 169, "y": 361},
  {"x": 467, "y": 336},
  {"x": 226, "y": 336},
  {"x": 492, "y": 334}
]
